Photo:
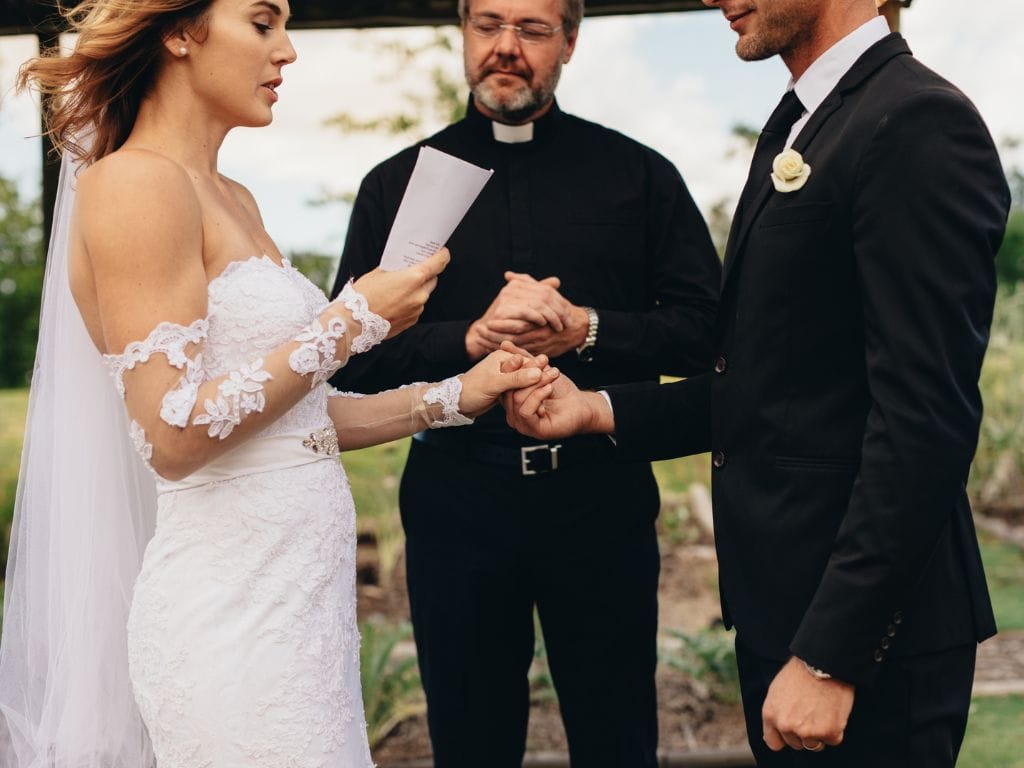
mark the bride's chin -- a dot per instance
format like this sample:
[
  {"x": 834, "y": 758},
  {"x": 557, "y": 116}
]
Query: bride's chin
[{"x": 257, "y": 122}]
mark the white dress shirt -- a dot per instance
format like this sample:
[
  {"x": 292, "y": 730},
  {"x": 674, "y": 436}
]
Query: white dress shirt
[{"x": 828, "y": 69}]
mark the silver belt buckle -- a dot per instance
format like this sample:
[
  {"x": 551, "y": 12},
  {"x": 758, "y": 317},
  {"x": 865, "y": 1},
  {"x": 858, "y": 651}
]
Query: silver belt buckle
[{"x": 525, "y": 452}]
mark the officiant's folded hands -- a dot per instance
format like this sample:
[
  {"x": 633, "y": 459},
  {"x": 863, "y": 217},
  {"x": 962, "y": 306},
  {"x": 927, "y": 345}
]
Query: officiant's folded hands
[{"x": 532, "y": 314}]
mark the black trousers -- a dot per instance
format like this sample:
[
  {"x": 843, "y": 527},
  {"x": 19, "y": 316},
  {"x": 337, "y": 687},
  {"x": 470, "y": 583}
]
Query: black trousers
[
  {"x": 484, "y": 546},
  {"x": 913, "y": 716}
]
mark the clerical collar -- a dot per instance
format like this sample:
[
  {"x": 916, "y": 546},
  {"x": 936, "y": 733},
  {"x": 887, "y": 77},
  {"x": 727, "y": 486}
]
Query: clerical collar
[
  {"x": 540, "y": 130},
  {"x": 512, "y": 134}
]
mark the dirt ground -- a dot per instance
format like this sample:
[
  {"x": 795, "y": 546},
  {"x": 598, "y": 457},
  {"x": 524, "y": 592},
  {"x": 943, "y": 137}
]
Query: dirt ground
[{"x": 689, "y": 717}]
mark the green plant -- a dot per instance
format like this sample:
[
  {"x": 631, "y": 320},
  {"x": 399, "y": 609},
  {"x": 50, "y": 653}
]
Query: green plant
[
  {"x": 373, "y": 474},
  {"x": 391, "y": 685},
  {"x": 709, "y": 658},
  {"x": 1002, "y": 388},
  {"x": 21, "y": 283},
  {"x": 317, "y": 267},
  {"x": 542, "y": 685}
]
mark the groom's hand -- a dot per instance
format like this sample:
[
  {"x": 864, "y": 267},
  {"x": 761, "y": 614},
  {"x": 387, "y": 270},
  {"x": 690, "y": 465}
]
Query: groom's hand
[
  {"x": 500, "y": 372},
  {"x": 554, "y": 409},
  {"x": 803, "y": 712}
]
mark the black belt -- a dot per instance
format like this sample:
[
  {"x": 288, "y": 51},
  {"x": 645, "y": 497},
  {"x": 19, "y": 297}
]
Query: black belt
[{"x": 528, "y": 459}]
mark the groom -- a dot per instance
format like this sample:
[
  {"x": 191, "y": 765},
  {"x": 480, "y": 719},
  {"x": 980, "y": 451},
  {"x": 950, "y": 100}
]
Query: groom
[{"x": 843, "y": 409}]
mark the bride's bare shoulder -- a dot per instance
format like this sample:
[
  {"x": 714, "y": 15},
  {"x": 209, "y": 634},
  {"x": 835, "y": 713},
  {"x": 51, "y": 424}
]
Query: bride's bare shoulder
[
  {"x": 131, "y": 171},
  {"x": 136, "y": 198}
]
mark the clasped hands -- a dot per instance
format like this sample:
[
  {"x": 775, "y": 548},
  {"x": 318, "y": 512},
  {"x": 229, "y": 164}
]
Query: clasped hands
[{"x": 531, "y": 314}]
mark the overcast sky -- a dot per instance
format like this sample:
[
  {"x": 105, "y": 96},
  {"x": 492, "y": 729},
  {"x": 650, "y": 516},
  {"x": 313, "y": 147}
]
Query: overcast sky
[{"x": 670, "y": 80}]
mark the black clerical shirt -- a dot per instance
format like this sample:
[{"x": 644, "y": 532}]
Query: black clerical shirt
[{"x": 610, "y": 217}]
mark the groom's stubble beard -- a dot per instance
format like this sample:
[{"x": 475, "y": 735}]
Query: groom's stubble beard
[
  {"x": 783, "y": 25},
  {"x": 522, "y": 102}
]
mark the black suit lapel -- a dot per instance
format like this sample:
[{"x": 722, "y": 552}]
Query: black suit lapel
[{"x": 757, "y": 192}]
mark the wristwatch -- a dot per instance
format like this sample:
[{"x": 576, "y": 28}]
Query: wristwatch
[{"x": 585, "y": 351}]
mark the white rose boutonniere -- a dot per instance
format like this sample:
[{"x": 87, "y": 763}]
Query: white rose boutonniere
[{"x": 789, "y": 171}]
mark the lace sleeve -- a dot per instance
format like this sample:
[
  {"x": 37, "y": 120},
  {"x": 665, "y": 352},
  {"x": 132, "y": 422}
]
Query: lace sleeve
[
  {"x": 375, "y": 327},
  {"x": 162, "y": 410},
  {"x": 362, "y": 420}
]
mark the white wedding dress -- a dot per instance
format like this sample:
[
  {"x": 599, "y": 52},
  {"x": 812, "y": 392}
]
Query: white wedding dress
[{"x": 243, "y": 644}]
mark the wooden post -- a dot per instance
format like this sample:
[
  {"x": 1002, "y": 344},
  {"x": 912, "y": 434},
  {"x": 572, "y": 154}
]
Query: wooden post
[
  {"x": 890, "y": 9},
  {"x": 48, "y": 39}
]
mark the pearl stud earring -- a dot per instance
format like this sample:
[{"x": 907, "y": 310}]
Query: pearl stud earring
[{"x": 183, "y": 51}]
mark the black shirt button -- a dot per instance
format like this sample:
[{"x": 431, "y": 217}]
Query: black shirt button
[
  {"x": 879, "y": 655},
  {"x": 720, "y": 365},
  {"x": 891, "y": 630},
  {"x": 897, "y": 618},
  {"x": 886, "y": 642},
  {"x": 718, "y": 460}
]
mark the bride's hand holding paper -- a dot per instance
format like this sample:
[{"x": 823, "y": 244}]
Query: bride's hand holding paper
[{"x": 400, "y": 295}]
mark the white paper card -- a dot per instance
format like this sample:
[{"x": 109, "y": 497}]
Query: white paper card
[{"x": 440, "y": 191}]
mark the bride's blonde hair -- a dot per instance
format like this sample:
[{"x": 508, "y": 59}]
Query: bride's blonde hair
[{"x": 100, "y": 85}]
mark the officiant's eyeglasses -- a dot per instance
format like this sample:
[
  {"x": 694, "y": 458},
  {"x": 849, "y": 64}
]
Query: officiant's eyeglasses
[{"x": 528, "y": 32}]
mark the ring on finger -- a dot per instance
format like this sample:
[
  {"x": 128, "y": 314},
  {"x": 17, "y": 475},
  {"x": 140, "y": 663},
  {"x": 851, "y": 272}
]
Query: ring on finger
[{"x": 813, "y": 746}]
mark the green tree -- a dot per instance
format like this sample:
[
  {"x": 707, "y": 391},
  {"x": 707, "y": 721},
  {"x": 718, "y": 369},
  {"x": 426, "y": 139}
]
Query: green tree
[
  {"x": 419, "y": 115},
  {"x": 445, "y": 104},
  {"x": 1010, "y": 259},
  {"x": 21, "y": 283},
  {"x": 319, "y": 268}
]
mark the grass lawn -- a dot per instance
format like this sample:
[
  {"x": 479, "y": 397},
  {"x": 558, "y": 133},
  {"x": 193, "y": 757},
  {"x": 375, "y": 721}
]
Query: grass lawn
[
  {"x": 995, "y": 734},
  {"x": 1004, "y": 569},
  {"x": 13, "y": 404}
]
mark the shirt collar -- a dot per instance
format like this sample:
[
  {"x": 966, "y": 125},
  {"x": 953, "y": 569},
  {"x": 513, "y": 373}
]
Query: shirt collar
[
  {"x": 542, "y": 127},
  {"x": 824, "y": 74}
]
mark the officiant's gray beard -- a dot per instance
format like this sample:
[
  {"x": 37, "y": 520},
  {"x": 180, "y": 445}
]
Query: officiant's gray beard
[{"x": 522, "y": 103}]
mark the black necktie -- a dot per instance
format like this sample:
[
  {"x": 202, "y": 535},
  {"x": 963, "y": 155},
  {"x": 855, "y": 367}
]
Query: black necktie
[{"x": 769, "y": 144}]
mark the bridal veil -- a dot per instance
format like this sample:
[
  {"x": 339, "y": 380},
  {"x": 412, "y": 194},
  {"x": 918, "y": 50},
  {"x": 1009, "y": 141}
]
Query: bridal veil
[{"x": 84, "y": 511}]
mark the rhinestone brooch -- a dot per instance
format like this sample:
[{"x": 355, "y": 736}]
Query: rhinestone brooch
[{"x": 323, "y": 441}]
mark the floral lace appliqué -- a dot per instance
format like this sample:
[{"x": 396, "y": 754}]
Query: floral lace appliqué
[
  {"x": 168, "y": 338},
  {"x": 138, "y": 437},
  {"x": 375, "y": 327},
  {"x": 318, "y": 350},
  {"x": 447, "y": 394},
  {"x": 178, "y": 403},
  {"x": 241, "y": 393}
]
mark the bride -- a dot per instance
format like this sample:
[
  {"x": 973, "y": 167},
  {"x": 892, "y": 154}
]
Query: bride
[{"x": 233, "y": 640}]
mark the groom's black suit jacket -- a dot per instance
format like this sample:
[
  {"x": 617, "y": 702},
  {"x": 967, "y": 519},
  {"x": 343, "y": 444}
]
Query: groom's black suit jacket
[{"x": 843, "y": 412}]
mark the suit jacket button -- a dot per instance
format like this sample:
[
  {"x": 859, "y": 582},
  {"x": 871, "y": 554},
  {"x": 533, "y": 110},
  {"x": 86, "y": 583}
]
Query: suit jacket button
[
  {"x": 886, "y": 642},
  {"x": 879, "y": 654},
  {"x": 720, "y": 365},
  {"x": 718, "y": 460},
  {"x": 891, "y": 630},
  {"x": 897, "y": 618}
]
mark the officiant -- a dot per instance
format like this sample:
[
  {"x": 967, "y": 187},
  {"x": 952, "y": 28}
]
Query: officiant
[{"x": 585, "y": 245}]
